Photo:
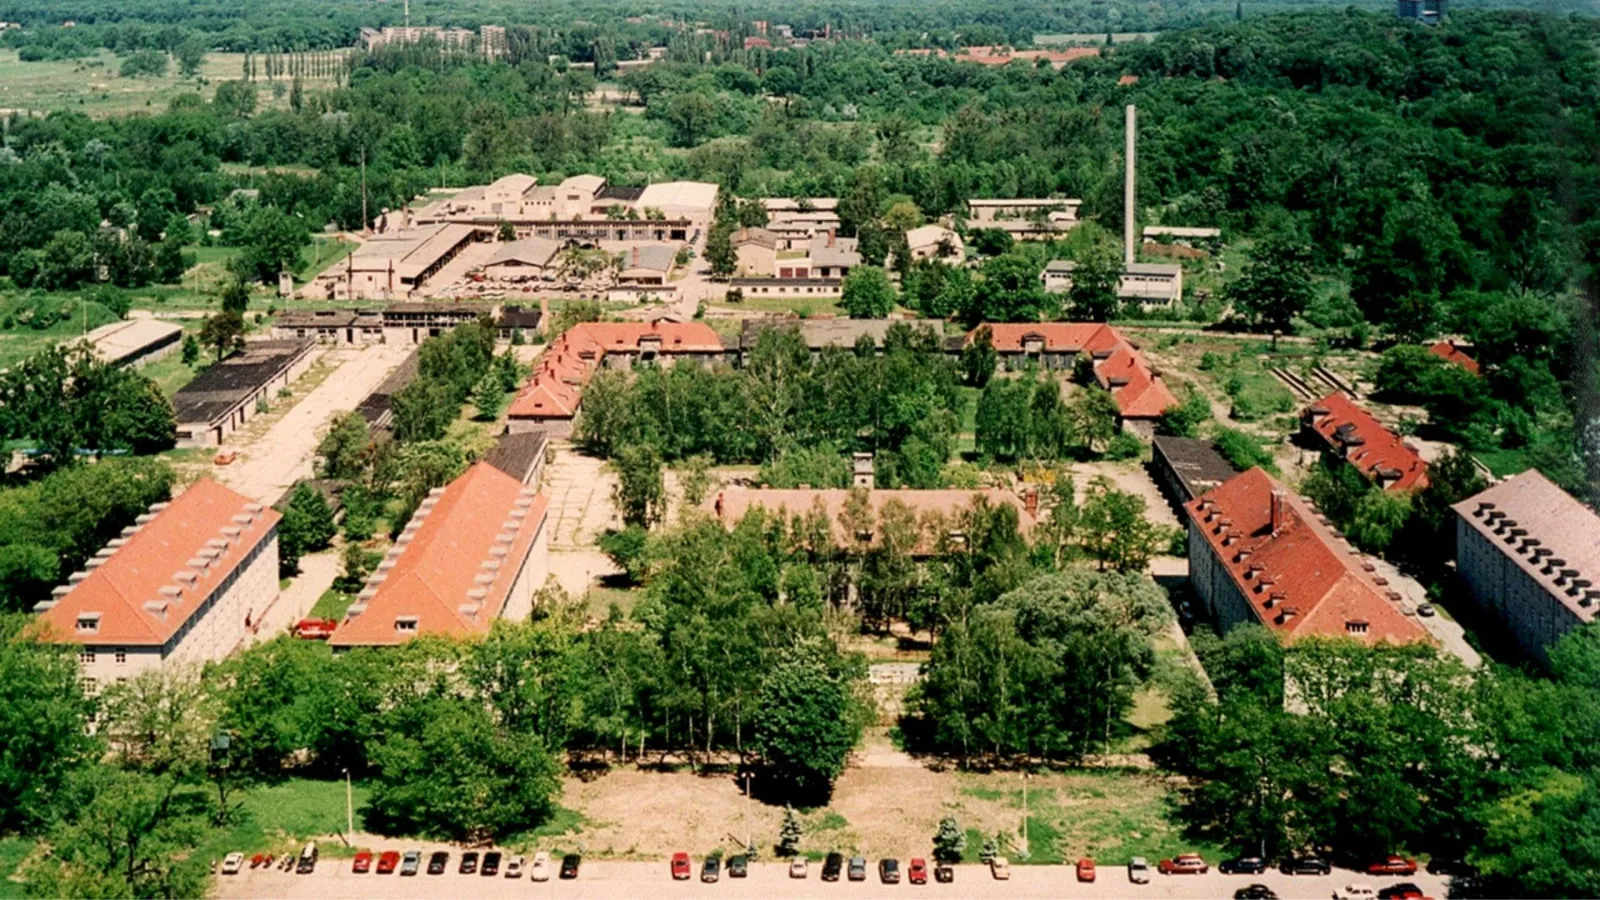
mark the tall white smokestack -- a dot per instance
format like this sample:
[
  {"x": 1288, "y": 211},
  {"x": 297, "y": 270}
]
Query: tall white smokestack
[{"x": 1128, "y": 187}]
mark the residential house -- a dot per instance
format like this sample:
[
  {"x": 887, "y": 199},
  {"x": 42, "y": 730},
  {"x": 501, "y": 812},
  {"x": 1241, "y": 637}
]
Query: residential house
[
  {"x": 475, "y": 551},
  {"x": 1141, "y": 394},
  {"x": 1260, "y": 554},
  {"x": 1350, "y": 433},
  {"x": 756, "y": 253},
  {"x": 936, "y": 242},
  {"x": 1529, "y": 555},
  {"x": 829, "y": 256},
  {"x": 187, "y": 582}
]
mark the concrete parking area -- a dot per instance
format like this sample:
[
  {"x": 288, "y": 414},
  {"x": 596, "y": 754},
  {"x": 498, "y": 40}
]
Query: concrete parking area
[{"x": 333, "y": 880}]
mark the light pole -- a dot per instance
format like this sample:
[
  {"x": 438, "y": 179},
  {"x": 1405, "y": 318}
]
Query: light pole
[
  {"x": 1025, "y": 815},
  {"x": 749, "y": 838},
  {"x": 349, "y": 810}
]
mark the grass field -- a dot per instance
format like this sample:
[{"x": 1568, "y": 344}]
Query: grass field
[
  {"x": 94, "y": 86},
  {"x": 12, "y": 852},
  {"x": 279, "y": 817}
]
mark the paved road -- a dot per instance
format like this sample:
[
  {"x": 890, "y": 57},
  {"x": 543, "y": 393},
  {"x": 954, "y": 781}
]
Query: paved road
[
  {"x": 268, "y": 465},
  {"x": 334, "y": 881},
  {"x": 294, "y": 603}
]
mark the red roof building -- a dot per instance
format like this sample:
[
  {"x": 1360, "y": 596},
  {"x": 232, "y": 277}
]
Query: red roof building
[
  {"x": 185, "y": 582},
  {"x": 1352, "y": 434},
  {"x": 473, "y": 552},
  {"x": 1449, "y": 351},
  {"x": 553, "y": 393},
  {"x": 1119, "y": 367},
  {"x": 1259, "y": 553}
]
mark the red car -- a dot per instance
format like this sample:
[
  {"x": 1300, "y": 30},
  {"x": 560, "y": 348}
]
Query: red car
[
  {"x": 680, "y": 867},
  {"x": 918, "y": 873},
  {"x": 1086, "y": 869},
  {"x": 388, "y": 862},
  {"x": 315, "y": 629},
  {"x": 1393, "y": 865},
  {"x": 1185, "y": 864},
  {"x": 362, "y": 864}
]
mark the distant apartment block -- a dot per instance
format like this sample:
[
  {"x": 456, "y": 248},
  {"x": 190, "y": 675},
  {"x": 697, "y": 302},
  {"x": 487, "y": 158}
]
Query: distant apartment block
[
  {"x": 1529, "y": 554},
  {"x": 185, "y": 583}
]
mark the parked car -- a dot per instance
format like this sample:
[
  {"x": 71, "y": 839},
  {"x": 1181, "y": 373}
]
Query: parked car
[
  {"x": 1405, "y": 890},
  {"x": 1393, "y": 865},
  {"x": 738, "y": 866},
  {"x": 257, "y": 860},
  {"x": 797, "y": 867},
  {"x": 832, "y": 866},
  {"x": 491, "y": 864},
  {"x": 1426, "y": 610},
  {"x": 917, "y": 872},
  {"x": 1356, "y": 891},
  {"x": 388, "y": 861},
  {"x": 1086, "y": 869},
  {"x": 1184, "y": 864},
  {"x": 315, "y": 629},
  {"x": 514, "y": 867},
  {"x": 889, "y": 871},
  {"x": 1448, "y": 866},
  {"x": 569, "y": 865},
  {"x": 411, "y": 863},
  {"x": 438, "y": 862},
  {"x": 711, "y": 870},
  {"x": 232, "y": 863},
  {"x": 944, "y": 873},
  {"x": 469, "y": 863},
  {"x": 1139, "y": 870},
  {"x": 1307, "y": 865},
  {"x": 680, "y": 866},
  {"x": 1242, "y": 865},
  {"x": 1000, "y": 868},
  {"x": 858, "y": 868},
  {"x": 541, "y": 867},
  {"x": 362, "y": 864},
  {"x": 1255, "y": 892},
  {"x": 308, "y": 859}
]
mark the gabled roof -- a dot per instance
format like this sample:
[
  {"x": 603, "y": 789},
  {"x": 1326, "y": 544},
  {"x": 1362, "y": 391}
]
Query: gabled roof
[
  {"x": 931, "y": 235},
  {"x": 1298, "y": 577},
  {"x": 1449, "y": 352},
  {"x": 1360, "y": 439},
  {"x": 650, "y": 258},
  {"x": 1559, "y": 544},
  {"x": 1059, "y": 337},
  {"x": 531, "y": 251},
  {"x": 760, "y": 237},
  {"x": 832, "y": 250},
  {"x": 452, "y": 569},
  {"x": 151, "y": 582},
  {"x": 554, "y": 389},
  {"x": 1118, "y": 366}
]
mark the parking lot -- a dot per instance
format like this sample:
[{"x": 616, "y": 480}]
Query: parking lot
[{"x": 333, "y": 880}]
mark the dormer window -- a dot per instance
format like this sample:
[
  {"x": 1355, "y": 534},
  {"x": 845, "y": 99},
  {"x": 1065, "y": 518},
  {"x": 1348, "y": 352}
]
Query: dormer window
[
  {"x": 88, "y": 623},
  {"x": 406, "y": 624},
  {"x": 1355, "y": 627}
]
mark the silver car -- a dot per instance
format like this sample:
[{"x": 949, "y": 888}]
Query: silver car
[{"x": 1139, "y": 870}]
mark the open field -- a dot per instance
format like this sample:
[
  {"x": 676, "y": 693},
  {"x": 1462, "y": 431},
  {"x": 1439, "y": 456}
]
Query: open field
[{"x": 95, "y": 87}]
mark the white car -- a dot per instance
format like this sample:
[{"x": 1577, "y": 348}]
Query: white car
[
  {"x": 541, "y": 867},
  {"x": 1356, "y": 891},
  {"x": 797, "y": 868},
  {"x": 514, "y": 867},
  {"x": 232, "y": 863},
  {"x": 1139, "y": 870},
  {"x": 1000, "y": 868}
]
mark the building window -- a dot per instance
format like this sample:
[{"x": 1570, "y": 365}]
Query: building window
[
  {"x": 405, "y": 623},
  {"x": 89, "y": 623},
  {"x": 1355, "y": 627},
  {"x": 86, "y": 656},
  {"x": 90, "y": 686},
  {"x": 122, "y": 656}
]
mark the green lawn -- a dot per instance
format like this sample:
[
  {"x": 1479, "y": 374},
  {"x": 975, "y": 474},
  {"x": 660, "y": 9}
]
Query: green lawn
[
  {"x": 331, "y": 605},
  {"x": 804, "y": 307},
  {"x": 321, "y": 255},
  {"x": 281, "y": 816},
  {"x": 12, "y": 852}
]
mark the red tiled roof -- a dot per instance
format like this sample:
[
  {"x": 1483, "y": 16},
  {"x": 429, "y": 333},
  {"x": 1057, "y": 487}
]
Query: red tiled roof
[
  {"x": 1449, "y": 352},
  {"x": 1119, "y": 367},
  {"x": 1375, "y": 451},
  {"x": 1296, "y": 576},
  {"x": 453, "y": 567},
  {"x": 153, "y": 584},
  {"x": 732, "y": 503},
  {"x": 554, "y": 388}
]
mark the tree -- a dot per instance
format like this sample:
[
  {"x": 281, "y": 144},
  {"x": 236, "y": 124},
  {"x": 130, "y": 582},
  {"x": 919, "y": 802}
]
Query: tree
[
  {"x": 223, "y": 332},
  {"x": 447, "y": 769},
  {"x": 720, "y": 254},
  {"x": 1092, "y": 417},
  {"x": 694, "y": 475},
  {"x": 808, "y": 721},
  {"x": 43, "y": 720},
  {"x": 1276, "y": 284},
  {"x": 867, "y": 293},
  {"x": 1185, "y": 419},
  {"x": 191, "y": 56},
  {"x": 423, "y": 410},
  {"x": 950, "y": 844},
  {"x": 789, "y": 834},
  {"x": 306, "y": 527},
  {"x": 640, "y": 493},
  {"x": 488, "y": 397},
  {"x": 344, "y": 448},
  {"x": 1008, "y": 290},
  {"x": 1095, "y": 283},
  {"x": 1115, "y": 531},
  {"x": 191, "y": 350},
  {"x": 979, "y": 358},
  {"x": 507, "y": 232},
  {"x": 270, "y": 243}
]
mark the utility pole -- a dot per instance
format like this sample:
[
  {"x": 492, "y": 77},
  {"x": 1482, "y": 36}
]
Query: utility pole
[
  {"x": 364, "y": 188},
  {"x": 1129, "y": 185},
  {"x": 349, "y": 809},
  {"x": 1025, "y": 853},
  {"x": 749, "y": 838}
]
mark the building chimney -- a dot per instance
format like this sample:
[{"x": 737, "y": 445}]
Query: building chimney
[
  {"x": 1129, "y": 188},
  {"x": 1279, "y": 514}
]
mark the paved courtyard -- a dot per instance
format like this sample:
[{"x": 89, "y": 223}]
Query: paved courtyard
[{"x": 579, "y": 488}]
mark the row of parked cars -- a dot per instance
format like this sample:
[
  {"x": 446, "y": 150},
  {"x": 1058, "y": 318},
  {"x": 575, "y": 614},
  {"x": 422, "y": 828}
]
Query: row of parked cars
[
  {"x": 488, "y": 864},
  {"x": 833, "y": 866}
]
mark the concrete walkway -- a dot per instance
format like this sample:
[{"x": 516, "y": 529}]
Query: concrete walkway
[{"x": 294, "y": 602}]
